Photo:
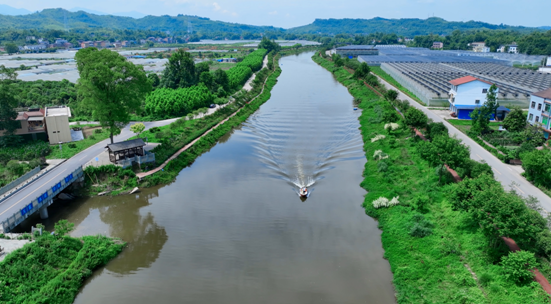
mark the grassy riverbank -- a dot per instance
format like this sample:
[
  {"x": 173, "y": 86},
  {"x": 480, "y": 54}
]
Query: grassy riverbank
[
  {"x": 384, "y": 75},
  {"x": 178, "y": 134},
  {"x": 52, "y": 269},
  {"x": 452, "y": 263}
]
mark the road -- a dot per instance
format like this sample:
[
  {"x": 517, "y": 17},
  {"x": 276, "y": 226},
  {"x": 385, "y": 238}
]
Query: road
[
  {"x": 41, "y": 185},
  {"x": 504, "y": 173}
]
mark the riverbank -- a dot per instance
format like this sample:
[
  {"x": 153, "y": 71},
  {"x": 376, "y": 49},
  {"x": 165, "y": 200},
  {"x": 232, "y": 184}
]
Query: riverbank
[
  {"x": 435, "y": 253},
  {"x": 203, "y": 133},
  {"x": 53, "y": 267}
]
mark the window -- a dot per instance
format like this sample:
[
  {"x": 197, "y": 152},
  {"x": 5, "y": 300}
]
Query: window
[
  {"x": 533, "y": 104},
  {"x": 539, "y": 106},
  {"x": 484, "y": 90},
  {"x": 547, "y": 108},
  {"x": 537, "y": 118},
  {"x": 531, "y": 117},
  {"x": 477, "y": 101}
]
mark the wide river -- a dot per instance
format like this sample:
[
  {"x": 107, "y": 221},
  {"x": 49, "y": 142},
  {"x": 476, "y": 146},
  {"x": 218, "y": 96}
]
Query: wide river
[{"x": 232, "y": 229}]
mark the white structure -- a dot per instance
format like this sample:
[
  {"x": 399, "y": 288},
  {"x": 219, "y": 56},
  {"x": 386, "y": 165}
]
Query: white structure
[
  {"x": 466, "y": 94},
  {"x": 510, "y": 48},
  {"x": 35, "y": 47},
  {"x": 57, "y": 124},
  {"x": 547, "y": 67},
  {"x": 539, "y": 111}
]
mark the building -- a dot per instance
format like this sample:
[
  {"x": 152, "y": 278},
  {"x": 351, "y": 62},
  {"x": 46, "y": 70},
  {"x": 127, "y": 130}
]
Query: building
[
  {"x": 466, "y": 94},
  {"x": 547, "y": 67},
  {"x": 57, "y": 124},
  {"x": 126, "y": 149},
  {"x": 31, "y": 122},
  {"x": 509, "y": 48},
  {"x": 540, "y": 110},
  {"x": 86, "y": 44},
  {"x": 480, "y": 47},
  {"x": 437, "y": 45},
  {"x": 356, "y": 50},
  {"x": 34, "y": 47}
]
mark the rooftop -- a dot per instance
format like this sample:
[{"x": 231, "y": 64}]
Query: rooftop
[
  {"x": 357, "y": 47},
  {"x": 58, "y": 111},
  {"x": 544, "y": 94},
  {"x": 467, "y": 79},
  {"x": 125, "y": 145},
  {"x": 30, "y": 114}
]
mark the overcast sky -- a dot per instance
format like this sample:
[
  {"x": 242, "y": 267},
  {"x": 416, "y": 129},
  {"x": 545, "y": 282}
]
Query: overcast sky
[{"x": 291, "y": 13}]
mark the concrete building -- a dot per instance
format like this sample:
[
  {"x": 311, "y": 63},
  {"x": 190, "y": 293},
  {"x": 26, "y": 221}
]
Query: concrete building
[
  {"x": 480, "y": 47},
  {"x": 509, "y": 48},
  {"x": 437, "y": 45},
  {"x": 34, "y": 47},
  {"x": 540, "y": 110},
  {"x": 466, "y": 94},
  {"x": 57, "y": 124},
  {"x": 86, "y": 44},
  {"x": 357, "y": 50},
  {"x": 31, "y": 123}
]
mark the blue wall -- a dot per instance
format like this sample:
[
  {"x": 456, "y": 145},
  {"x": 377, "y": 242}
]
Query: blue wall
[{"x": 464, "y": 114}]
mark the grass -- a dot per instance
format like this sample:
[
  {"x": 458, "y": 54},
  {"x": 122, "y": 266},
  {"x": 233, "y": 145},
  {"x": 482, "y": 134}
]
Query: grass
[
  {"x": 73, "y": 148},
  {"x": 222, "y": 65},
  {"x": 465, "y": 125},
  {"x": 430, "y": 269},
  {"x": 52, "y": 269},
  {"x": 379, "y": 72}
]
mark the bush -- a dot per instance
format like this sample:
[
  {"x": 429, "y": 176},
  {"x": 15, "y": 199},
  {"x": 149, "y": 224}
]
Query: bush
[
  {"x": 419, "y": 202},
  {"x": 517, "y": 266},
  {"x": 421, "y": 226},
  {"x": 485, "y": 279},
  {"x": 98, "y": 131},
  {"x": 92, "y": 137},
  {"x": 72, "y": 145}
]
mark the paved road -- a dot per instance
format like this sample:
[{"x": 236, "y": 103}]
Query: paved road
[
  {"x": 41, "y": 185},
  {"x": 504, "y": 173}
]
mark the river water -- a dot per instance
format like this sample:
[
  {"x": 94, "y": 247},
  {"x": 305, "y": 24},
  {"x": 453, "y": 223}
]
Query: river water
[{"x": 232, "y": 229}]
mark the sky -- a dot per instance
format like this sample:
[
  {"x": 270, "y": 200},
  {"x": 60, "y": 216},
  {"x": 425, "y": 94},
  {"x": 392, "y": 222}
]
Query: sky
[{"x": 291, "y": 13}]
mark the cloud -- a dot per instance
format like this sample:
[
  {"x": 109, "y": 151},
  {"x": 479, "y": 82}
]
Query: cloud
[
  {"x": 218, "y": 8},
  {"x": 272, "y": 13}
]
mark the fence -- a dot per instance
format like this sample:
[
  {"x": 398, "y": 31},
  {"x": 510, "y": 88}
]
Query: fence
[
  {"x": 45, "y": 199},
  {"x": 18, "y": 181}
]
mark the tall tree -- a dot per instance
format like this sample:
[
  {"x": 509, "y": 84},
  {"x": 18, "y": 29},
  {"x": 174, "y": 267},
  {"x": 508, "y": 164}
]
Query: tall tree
[
  {"x": 179, "y": 71},
  {"x": 11, "y": 48},
  {"x": 481, "y": 116},
  {"x": 7, "y": 113},
  {"x": 269, "y": 45},
  {"x": 111, "y": 87}
]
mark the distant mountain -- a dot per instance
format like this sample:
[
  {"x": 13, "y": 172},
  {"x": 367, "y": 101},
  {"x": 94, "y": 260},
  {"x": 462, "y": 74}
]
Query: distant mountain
[
  {"x": 545, "y": 28},
  {"x": 54, "y": 19},
  {"x": 12, "y": 11},
  {"x": 133, "y": 14},
  {"x": 405, "y": 27},
  {"x": 78, "y": 9}
]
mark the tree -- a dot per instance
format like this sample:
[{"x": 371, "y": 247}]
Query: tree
[
  {"x": 337, "y": 60},
  {"x": 221, "y": 79},
  {"x": 517, "y": 265},
  {"x": 362, "y": 70},
  {"x": 154, "y": 78},
  {"x": 7, "y": 73},
  {"x": 444, "y": 150},
  {"x": 391, "y": 95},
  {"x": 7, "y": 113},
  {"x": 11, "y": 48},
  {"x": 515, "y": 121},
  {"x": 269, "y": 45},
  {"x": 137, "y": 128},
  {"x": 481, "y": 116},
  {"x": 537, "y": 166},
  {"x": 207, "y": 79},
  {"x": 111, "y": 87},
  {"x": 435, "y": 129},
  {"x": 179, "y": 71},
  {"x": 416, "y": 118}
]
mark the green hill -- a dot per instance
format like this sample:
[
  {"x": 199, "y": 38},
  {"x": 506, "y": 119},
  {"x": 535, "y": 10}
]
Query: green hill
[
  {"x": 402, "y": 27},
  {"x": 55, "y": 19}
]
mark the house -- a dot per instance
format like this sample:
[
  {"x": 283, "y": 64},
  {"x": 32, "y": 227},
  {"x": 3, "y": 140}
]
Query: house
[
  {"x": 57, "y": 124},
  {"x": 31, "y": 122},
  {"x": 407, "y": 40},
  {"x": 466, "y": 94},
  {"x": 480, "y": 47},
  {"x": 540, "y": 110},
  {"x": 437, "y": 45},
  {"x": 513, "y": 48},
  {"x": 35, "y": 47},
  {"x": 86, "y": 44}
]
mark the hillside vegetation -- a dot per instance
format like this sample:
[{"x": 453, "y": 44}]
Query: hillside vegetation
[{"x": 406, "y": 27}]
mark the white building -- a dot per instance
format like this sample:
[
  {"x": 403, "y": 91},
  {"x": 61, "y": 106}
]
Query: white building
[
  {"x": 539, "y": 111},
  {"x": 57, "y": 124},
  {"x": 466, "y": 94},
  {"x": 35, "y": 47}
]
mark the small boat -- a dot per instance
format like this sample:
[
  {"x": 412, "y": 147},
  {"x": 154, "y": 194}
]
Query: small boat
[{"x": 303, "y": 192}]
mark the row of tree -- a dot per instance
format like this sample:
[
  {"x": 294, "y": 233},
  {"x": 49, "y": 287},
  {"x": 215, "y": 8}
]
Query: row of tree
[{"x": 179, "y": 101}]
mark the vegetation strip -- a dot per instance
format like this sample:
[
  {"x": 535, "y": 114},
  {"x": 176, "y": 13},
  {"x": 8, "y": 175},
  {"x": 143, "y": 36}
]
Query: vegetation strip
[
  {"x": 427, "y": 237},
  {"x": 52, "y": 269}
]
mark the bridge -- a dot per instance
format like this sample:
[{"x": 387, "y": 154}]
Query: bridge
[{"x": 13, "y": 215}]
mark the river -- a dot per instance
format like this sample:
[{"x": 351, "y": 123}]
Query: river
[{"x": 232, "y": 229}]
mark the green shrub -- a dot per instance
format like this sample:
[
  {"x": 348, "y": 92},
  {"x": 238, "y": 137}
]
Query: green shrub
[
  {"x": 419, "y": 202},
  {"x": 485, "y": 279},
  {"x": 98, "y": 131},
  {"x": 517, "y": 266},
  {"x": 72, "y": 145},
  {"x": 92, "y": 137},
  {"x": 154, "y": 130},
  {"x": 421, "y": 226}
]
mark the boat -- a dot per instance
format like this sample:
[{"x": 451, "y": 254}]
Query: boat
[{"x": 303, "y": 192}]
